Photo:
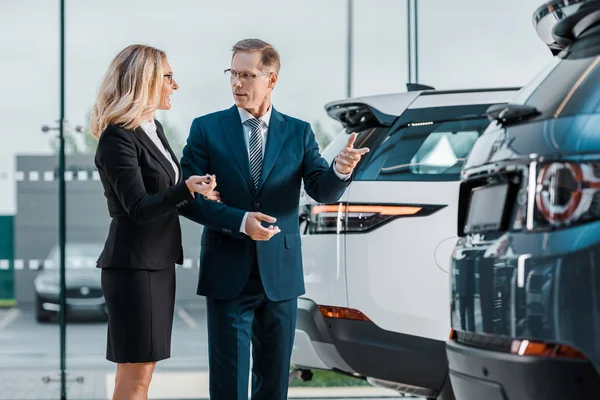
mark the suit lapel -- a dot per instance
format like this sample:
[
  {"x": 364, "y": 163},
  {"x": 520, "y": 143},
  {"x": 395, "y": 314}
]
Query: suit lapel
[
  {"x": 163, "y": 139},
  {"x": 275, "y": 139},
  {"x": 152, "y": 149},
  {"x": 231, "y": 125}
]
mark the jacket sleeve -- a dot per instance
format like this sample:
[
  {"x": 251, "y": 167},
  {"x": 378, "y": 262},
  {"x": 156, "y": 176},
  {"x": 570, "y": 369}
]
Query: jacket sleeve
[
  {"x": 195, "y": 161},
  {"x": 117, "y": 158},
  {"x": 320, "y": 181}
]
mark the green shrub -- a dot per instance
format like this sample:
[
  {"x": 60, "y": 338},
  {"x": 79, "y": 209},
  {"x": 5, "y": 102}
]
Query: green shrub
[{"x": 330, "y": 379}]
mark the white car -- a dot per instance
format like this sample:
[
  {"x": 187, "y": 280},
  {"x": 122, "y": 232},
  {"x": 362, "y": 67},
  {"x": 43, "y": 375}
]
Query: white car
[{"x": 376, "y": 263}]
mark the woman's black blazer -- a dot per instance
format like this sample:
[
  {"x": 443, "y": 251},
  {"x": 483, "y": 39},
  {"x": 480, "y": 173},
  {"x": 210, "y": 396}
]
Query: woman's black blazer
[{"x": 143, "y": 200}]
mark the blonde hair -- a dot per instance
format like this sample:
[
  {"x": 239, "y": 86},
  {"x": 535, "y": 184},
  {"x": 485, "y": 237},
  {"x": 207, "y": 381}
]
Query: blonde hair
[{"x": 130, "y": 89}]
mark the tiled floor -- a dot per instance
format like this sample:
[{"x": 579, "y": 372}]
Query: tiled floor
[
  {"x": 29, "y": 362},
  {"x": 31, "y": 385}
]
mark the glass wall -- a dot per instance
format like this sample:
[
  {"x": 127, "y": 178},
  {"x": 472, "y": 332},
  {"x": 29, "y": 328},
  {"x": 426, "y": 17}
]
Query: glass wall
[{"x": 461, "y": 43}]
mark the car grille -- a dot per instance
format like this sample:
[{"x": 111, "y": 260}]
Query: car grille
[{"x": 81, "y": 293}]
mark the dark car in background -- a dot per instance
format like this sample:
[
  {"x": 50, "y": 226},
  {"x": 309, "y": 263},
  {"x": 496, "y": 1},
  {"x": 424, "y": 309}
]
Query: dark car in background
[
  {"x": 525, "y": 300},
  {"x": 84, "y": 296}
]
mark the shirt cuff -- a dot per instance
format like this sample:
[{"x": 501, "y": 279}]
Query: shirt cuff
[
  {"x": 243, "y": 226},
  {"x": 343, "y": 177}
]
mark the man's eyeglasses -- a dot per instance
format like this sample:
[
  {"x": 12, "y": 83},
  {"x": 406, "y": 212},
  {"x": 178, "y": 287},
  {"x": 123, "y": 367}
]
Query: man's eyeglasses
[
  {"x": 169, "y": 78},
  {"x": 243, "y": 76}
]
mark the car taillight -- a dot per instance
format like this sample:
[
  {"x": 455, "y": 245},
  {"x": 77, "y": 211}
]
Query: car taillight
[
  {"x": 326, "y": 218},
  {"x": 541, "y": 349},
  {"x": 362, "y": 218},
  {"x": 343, "y": 313},
  {"x": 356, "y": 218},
  {"x": 567, "y": 193}
]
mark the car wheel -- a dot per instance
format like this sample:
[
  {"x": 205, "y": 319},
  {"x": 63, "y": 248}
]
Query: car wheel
[{"x": 42, "y": 318}]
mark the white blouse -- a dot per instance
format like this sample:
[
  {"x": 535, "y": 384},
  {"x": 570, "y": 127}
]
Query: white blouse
[{"x": 150, "y": 128}]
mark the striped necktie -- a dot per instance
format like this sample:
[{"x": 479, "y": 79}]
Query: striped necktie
[{"x": 255, "y": 149}]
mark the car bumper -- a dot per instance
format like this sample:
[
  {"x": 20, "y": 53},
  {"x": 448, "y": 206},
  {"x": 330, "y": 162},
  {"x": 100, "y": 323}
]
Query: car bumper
[
  {"x": 75, "y": 307},
  {"x": 409, "y": 364},
  {"x": 542, "y": 287},
  {"x": 492, "y": 375},
  {"x": 313, "y": 346}
]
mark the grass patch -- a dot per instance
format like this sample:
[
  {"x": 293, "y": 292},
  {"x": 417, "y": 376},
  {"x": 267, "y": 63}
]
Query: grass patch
[
  {"x": 7, "y": 302},
  {"x": 330, "y": 379}
]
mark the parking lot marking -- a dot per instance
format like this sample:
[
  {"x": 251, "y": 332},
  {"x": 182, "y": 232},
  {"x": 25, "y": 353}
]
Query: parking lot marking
[
  {"x": 9, "y": 318},
  {"x": 187, "y": 318}
]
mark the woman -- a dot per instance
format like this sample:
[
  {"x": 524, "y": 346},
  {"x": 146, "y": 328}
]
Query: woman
[{"x": 143, "y": 185}]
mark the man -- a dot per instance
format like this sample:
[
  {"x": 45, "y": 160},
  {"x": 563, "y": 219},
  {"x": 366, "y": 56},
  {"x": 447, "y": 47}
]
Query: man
[{"x": 252, "y": 278}]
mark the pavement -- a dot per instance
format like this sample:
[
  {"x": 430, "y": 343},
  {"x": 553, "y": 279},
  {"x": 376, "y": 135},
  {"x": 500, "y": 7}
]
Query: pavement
[{"x": 30, "y": 363}]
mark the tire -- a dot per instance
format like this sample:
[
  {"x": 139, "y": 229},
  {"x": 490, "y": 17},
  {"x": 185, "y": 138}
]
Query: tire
[
  {"x": 40, "y": 315},
  {"x": 42, "y": 318}
]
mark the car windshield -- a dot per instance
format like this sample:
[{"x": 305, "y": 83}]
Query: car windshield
[{"x": 78, "y": 255}]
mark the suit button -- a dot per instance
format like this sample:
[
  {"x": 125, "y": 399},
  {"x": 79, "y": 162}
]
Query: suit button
[{"x": 256, "y": 205}]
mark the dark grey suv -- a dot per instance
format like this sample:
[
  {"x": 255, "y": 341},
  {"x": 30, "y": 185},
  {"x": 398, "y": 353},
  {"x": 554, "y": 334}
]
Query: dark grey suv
[{"x": 525, "y": 300}]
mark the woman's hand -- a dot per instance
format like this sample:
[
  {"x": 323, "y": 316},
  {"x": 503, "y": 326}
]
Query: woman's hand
[
  {"x": 213, "y": 196},
  {"x": 201, "y": 184}
]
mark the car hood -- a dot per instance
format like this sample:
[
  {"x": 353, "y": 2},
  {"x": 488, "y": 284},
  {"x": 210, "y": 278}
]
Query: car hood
[
  {"x": 567, "y": 136},
  {"x": 74, "y": 277}
]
